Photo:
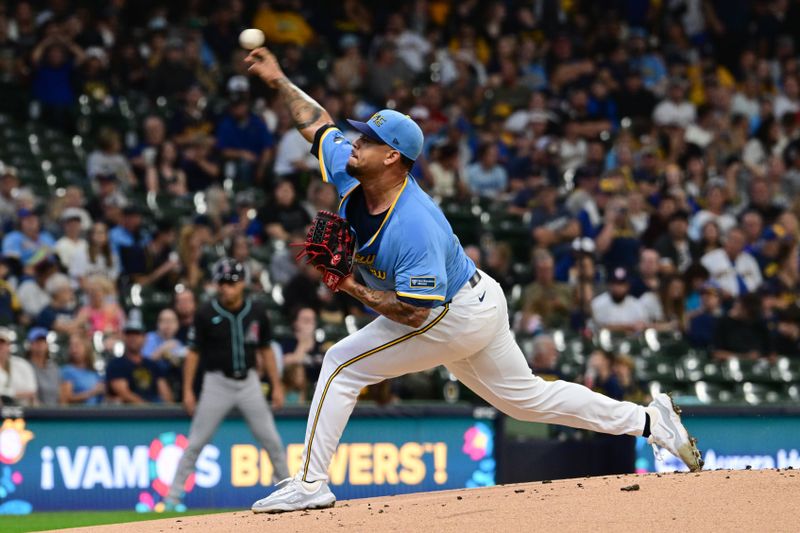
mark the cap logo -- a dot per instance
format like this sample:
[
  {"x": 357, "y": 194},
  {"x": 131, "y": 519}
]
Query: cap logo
[
  {"x": 395, "y": 141},
  {"x": 377, "y": 119}
]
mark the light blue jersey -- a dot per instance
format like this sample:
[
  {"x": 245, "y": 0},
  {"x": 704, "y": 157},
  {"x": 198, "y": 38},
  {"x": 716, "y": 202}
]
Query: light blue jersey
[{"x": 414, "y": 252}]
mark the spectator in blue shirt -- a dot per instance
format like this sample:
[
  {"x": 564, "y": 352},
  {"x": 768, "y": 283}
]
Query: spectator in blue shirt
[
  {"x": 129, "y": 233},
  {"x": 133, "y": 378},
  {"x": 55, "y": 58},
  {"x": 61, "y": 314},
  {"x": 486, "y": 177},
  {"x": 29, "y": 240},
  {"x": 243, "y": 138},
  {"x": 241, "y": 220},
  {"x": 154, "y": 132},
  {"x": 80, "y": 382},
  {"x": 650, "y": 65},
  {"x": 702, "y": 325},
  {"x": 161, "y": 345},
  {"x": 552, "y": 225}
]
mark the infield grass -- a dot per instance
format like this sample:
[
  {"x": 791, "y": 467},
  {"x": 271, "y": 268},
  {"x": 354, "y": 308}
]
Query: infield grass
[{"x": 61, "y": 520}]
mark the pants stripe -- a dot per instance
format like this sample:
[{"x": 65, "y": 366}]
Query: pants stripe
[{"x": 350, "y": 362}]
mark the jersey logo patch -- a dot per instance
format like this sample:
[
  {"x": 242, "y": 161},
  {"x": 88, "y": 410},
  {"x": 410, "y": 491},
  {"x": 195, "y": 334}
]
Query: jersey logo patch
[
  {"x": 253, "y": 335},
  {"x": 216, "y": 320},
  {"x": 423, "y": 282}
]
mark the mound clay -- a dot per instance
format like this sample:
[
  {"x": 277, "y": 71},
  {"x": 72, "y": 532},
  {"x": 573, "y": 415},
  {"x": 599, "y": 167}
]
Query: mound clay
[{"x": 763, "y": 500}]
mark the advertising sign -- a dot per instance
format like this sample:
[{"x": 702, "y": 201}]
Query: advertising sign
[
  {"x": 72, "y": 464},
  {"x": 749, "y": 439}
]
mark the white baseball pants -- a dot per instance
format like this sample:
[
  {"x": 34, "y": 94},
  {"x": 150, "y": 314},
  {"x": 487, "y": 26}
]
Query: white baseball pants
[{"x": 471, "y": 337}]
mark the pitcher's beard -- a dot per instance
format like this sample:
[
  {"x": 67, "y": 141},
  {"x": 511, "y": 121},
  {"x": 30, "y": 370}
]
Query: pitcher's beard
[{"x": 353, "y": 171}]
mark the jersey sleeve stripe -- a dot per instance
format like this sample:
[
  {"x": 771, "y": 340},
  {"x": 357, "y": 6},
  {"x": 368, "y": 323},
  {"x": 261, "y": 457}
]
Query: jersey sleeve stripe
[
  {"x": 320, "y": 157},
  {"x": 420, "y": 296}
]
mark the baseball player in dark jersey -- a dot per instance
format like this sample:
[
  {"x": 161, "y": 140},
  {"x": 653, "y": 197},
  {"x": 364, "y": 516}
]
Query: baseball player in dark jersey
[{"x": 231, "y": 336}]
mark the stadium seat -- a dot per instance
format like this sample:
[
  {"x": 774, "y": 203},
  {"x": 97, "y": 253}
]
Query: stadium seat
[
  {"x": 690, "y": 367},
  {"x": 334, "y": 332},
  {"x": 791, "y": 392},
  {"x": 785, "y": 370},
  {"x": 656, "y": 368},
  {"x": 149, "y": 301},
  {"x": 510, "y": 229},
  {"x": 262, "y": 253},
  {"x": 676, "y": 389},
  {"x": 13, "y": 100},
  {"x": 59, "y": 349},
  {"x": 758, "y": 393},
  {"x": 739, "y": 370},
  {"x": 707, "y": 392},
  {"x": 569, "y": 370}
]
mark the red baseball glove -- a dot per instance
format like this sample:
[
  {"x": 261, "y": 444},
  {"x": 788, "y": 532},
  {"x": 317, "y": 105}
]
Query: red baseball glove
[{"x": 329, "y": 247}]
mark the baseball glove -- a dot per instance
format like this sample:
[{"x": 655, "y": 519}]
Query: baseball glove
[{"x": 329, "y": 247}]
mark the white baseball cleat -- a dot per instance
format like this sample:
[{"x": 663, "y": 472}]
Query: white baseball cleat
[
  {"x": 295, "y": 494},
  {"x": 667, "y": 431}
]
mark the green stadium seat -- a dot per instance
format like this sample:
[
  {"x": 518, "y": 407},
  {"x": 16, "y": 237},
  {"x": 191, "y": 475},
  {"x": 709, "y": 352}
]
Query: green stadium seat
[
  {"x": 740, "y": 370},
  {"x": 59, "y": 349},
  {"x": 675, "y": 388},
  {"x": 712, "y": 372},
  {"x": 758, "y": 393},
  {"x": 15, "y": 147},
  {"x": 690, "y": 367},
  {"x": 334, "y": 332},
  {"x": 14, "y": 100},
  {"x": 569, "y": 370},
  {"x": 708, "y": 392},
  {"x": 785, "y": 370},
  {"x": 656, "y": 368},
  {"x": 791, "y": 392},
  {"x": 512, "y": 230},
  {"x": 262, "y": 254}
]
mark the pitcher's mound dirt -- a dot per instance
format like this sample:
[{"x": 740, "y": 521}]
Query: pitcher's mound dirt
[{"x": 763, "y": 500}]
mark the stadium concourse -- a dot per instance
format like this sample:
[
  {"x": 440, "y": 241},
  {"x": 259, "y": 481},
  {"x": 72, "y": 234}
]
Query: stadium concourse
[
  {"x": 710, "y": 501},
  {"x": 629, "y": 171}
]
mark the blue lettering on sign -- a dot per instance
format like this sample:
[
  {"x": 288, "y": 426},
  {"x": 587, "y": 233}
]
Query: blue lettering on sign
[{"x": 423, "y": 282}]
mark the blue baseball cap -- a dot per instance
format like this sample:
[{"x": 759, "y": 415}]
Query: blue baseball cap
[
  {"x": 395, "y": 129},
  {"x": 37, "y": 333},
  {"x": 775, "y": 232}
]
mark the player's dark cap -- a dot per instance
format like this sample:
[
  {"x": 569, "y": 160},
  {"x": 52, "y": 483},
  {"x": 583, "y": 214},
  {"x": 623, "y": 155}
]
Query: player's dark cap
[
  {"x": 680, "y": 214},
  {"x": 229, "y": 271},
  {"x": 395, "y": 129},
  {"x": 134, "y": 325},
  {"x": 619, "y": 275}
]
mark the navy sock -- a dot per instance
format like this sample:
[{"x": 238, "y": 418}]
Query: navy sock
[{"x": 646, "y": 430}]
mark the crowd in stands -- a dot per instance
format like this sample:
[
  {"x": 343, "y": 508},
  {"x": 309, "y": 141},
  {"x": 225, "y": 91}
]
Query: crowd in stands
[{"x": 645, "y": 155}]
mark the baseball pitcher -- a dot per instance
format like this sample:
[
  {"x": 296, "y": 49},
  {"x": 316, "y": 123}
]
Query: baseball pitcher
[{"x": 436, "y": 308}]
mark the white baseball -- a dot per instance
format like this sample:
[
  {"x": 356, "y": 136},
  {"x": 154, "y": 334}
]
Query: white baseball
[{"x": 251, "y": 38}]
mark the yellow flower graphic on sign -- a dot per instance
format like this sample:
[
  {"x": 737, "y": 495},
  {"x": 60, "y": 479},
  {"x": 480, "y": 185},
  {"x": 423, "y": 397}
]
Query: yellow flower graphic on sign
[{"x": 13, "y": 439}]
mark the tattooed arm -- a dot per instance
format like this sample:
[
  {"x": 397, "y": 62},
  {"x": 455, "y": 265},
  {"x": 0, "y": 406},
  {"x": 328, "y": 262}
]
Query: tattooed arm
[
  {"x": 307, "y": 115},
  {"x": 386, "y": 303}
]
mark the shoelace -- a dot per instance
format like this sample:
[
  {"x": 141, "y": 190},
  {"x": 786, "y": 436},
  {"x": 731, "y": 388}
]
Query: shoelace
[
  {"x": 285, "y": 486},
  {"x": 657, "y": 452}
]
